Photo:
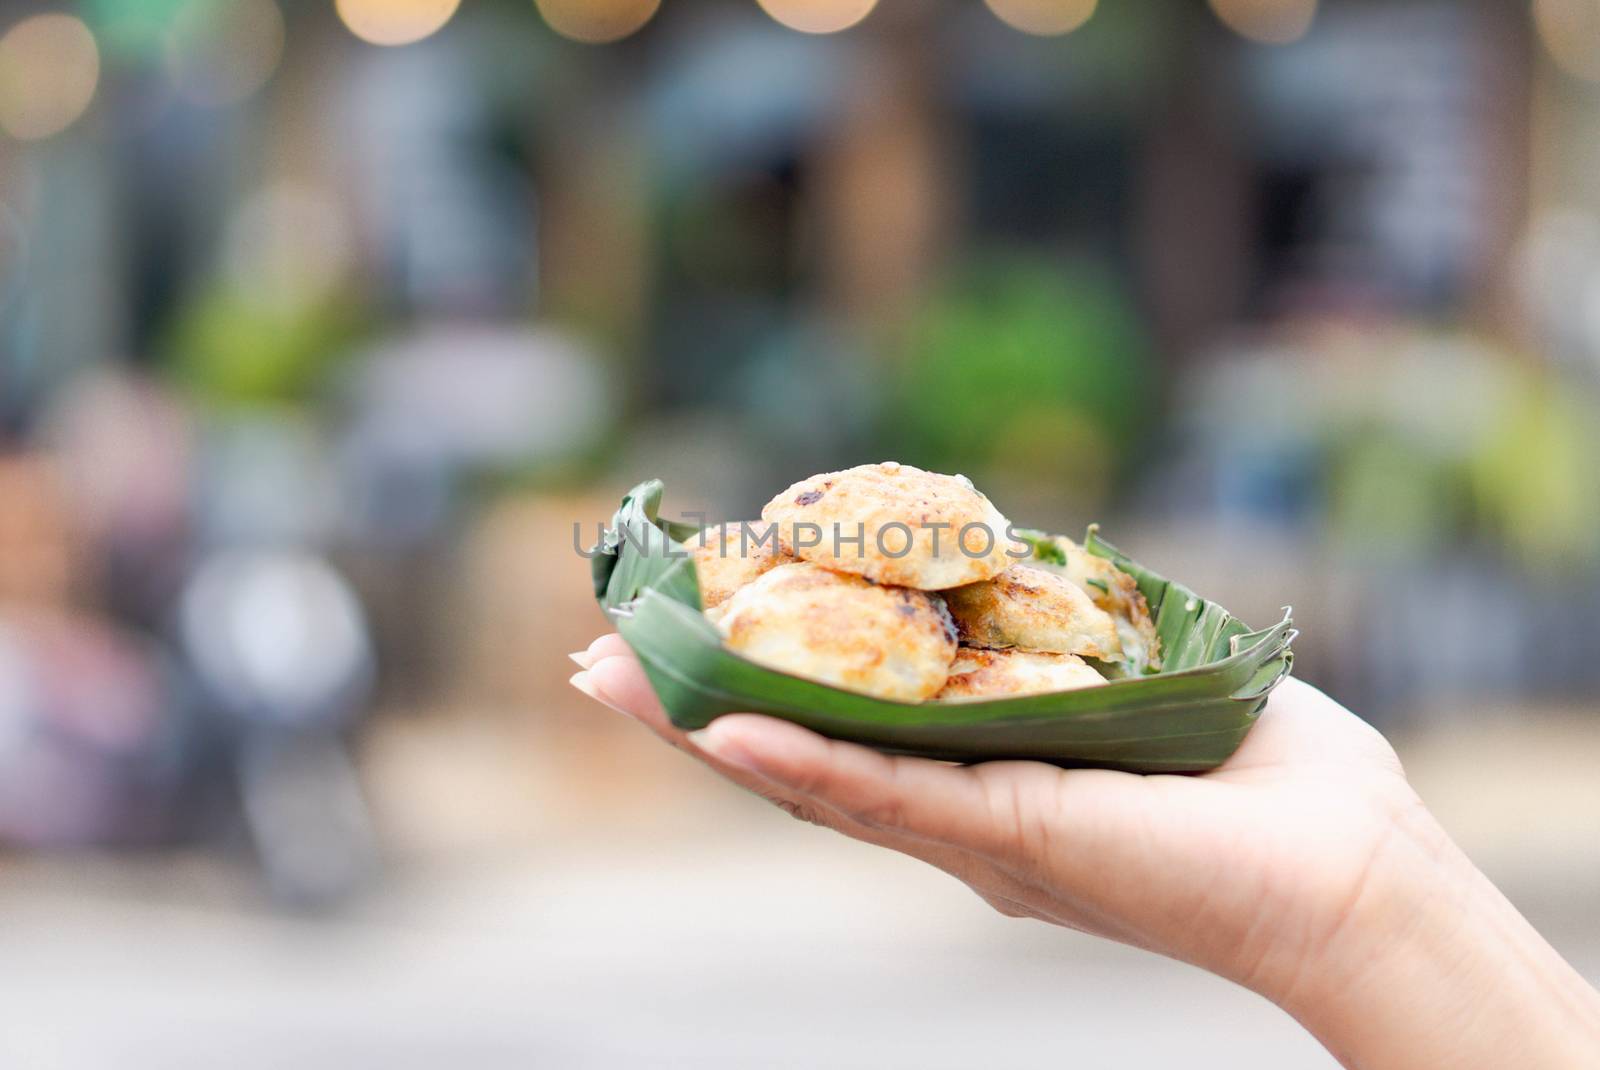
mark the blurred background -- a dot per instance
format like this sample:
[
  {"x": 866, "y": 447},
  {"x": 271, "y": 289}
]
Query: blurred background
[{"x": 325, "y": 323}]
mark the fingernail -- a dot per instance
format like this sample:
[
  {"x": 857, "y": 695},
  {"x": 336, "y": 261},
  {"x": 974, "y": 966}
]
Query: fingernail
[
  {"x": 717, "y": 745},
  {"x": 584, "y": 659},
  {"x": 581, "y": 681},
  {"x": 585, "y": 683}
]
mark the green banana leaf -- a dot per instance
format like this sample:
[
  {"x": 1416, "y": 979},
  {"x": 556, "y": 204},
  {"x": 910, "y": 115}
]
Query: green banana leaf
[{"x": 1188, "y": 717}]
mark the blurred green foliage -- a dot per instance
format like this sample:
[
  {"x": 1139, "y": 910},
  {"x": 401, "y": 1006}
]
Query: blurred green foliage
[
  {"x": 1505, "y": 455},
  {"x": 1389, "y": 490},
  {"x": 231, "y": 349},
  {"x": 1536, "y": 476},
  {"x": 1027, "y": 364}
]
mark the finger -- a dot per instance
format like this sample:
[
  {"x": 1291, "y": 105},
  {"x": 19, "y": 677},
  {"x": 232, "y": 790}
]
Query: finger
[
  {"x": 914, "y": 796},
  {"x": 616, "y": 679},
  {"x": 604, "y": 646},
  {"x": 609, "y": 645},
  {"x": 1000, "y": 827},
  {"x": 988, "y": 826},
  {"x": 1010, "y": 830},
  {"x": 1012, "y": 908},
  {"x": 1030, "y": 825},
  {"x": 619, "y": 681}
]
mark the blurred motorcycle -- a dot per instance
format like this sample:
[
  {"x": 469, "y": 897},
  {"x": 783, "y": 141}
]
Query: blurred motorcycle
[{"x": 278, "y": 645}]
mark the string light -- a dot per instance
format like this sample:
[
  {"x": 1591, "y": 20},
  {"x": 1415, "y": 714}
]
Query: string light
[
  {"x": 1570, "y": 30},
  {"x": 818, "y": 16},
  {"x": 395, "y": 22},
  {"x": 1268, "y": 22},
  {"x": 49, "y": 68},
  {"x": 597, "y": 22},
  {"x": 1043, "y": 18}
]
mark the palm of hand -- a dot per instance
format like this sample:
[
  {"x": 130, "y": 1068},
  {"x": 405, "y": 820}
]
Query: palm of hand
[{"x": 1250, "y": 870}]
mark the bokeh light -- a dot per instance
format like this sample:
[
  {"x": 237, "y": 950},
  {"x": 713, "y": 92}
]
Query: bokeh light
[
  {"x": 220, "y": 55},
  {"x": 134, "y": 30},
  {"x": 1570, "y": 30},
  {"x": 1043, "y": 18},
  {"x": 596, "y": 22},
  {"x": 395, "y": 22},
  {"x": 818, "y": 16},
  {"x": 49, "y": 68},
  {"x": 1269, "y": 22}
]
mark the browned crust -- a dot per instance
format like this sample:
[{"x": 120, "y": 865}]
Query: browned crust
[
  {"x": 726, "y": 559},
  {"x": 1033, "y": 609},
  {"x": 892, "y": 642},
  {"x": 984, "y": 674},
  {"x": 869, "y": 501}
]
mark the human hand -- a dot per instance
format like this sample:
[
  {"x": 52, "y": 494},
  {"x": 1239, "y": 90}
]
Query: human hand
[{"x": 1305, "y": 867}]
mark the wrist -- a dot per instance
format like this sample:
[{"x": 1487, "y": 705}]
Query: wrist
[{"x": 1427, "y": 964}]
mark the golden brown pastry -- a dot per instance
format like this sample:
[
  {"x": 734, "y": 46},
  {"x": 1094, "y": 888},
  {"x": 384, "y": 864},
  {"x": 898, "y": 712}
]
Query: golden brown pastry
[
  {"x": 1033, "y": 609},
  {"x": 985, "y": 674},
  {"x": 1114, "y": 591},
  {"x": 728, "y": 556},
  {"x": 890, "y": 642},
  {"x": 894, "y": 524}
]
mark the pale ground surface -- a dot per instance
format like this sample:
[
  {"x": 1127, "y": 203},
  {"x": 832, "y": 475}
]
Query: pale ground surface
[{"x": 529, "y": 922}]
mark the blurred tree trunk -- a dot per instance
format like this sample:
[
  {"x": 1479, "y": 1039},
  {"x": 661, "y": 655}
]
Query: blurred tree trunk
[
  {"x": 887, "y": 186},
  {"x": 1193, "y": 228}
]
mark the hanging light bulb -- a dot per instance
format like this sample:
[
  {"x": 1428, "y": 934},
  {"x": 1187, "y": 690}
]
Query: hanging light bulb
[
  {"x": 49, "y": 68},
  {"x": 1043, "y": 18},
  {"x": 1268, "y": 22},
  {"x": 818, "y": 16},
  {"x": 395, "y": 22},
  {"x": 597, "y": 22}
]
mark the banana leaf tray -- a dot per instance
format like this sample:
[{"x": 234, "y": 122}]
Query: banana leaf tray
[{"x": 1188, "y": 717}]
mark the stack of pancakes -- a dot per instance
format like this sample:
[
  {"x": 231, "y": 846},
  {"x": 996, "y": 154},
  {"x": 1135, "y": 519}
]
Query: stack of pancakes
[{"x": 910, "y": 586}]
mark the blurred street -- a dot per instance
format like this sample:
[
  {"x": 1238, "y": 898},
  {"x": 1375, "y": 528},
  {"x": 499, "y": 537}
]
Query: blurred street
[
  {"x": 331, "y": 329},
  {"x": 699, "y": 928}
]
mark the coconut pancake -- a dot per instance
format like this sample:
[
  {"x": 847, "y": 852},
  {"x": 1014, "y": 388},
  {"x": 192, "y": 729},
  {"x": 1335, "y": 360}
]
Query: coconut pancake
[
  {"x": 889, "y": 642},
  {"x": 986, "y": 674},
  {"x": 728, "y": 556},
  {"x": 894, "y": 524},
  {"x": 1033, "y": 609},
  {"x": 1114, "y": 591}
]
